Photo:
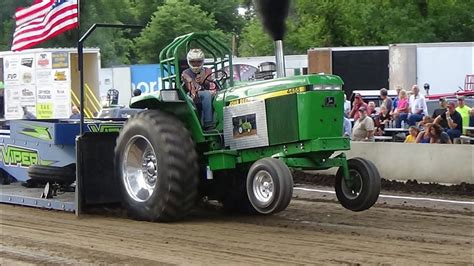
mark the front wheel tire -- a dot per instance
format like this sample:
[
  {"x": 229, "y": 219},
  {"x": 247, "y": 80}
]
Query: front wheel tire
[
  {"x": 269, "y": 186},
  {"x": 363, "y": 189}
]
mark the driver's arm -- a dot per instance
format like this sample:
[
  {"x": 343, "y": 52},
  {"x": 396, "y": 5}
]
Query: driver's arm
[
  {"x": 209, "y": 82},
  {"x": 188, "y": 82}
]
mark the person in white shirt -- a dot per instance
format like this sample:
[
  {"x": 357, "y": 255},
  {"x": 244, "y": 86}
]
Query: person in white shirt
[
  {"x": 347, "y": 106},
  {"x": 417, "y": 105}
]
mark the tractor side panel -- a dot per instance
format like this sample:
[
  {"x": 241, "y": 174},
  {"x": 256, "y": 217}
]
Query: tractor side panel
[
  {"x": 320, "y": 114},
  {"x": 282, "y": 119}
]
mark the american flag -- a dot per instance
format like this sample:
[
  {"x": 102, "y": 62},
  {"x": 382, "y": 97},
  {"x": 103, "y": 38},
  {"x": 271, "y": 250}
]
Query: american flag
[{"x": 42, "y": 21}]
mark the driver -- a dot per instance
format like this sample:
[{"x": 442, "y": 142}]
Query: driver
[{"x": 200, "y": 90}]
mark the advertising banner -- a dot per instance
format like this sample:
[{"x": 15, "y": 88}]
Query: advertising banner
[
  {"x": 146, "y": 77},
  {"x": 37, "y": 85}
]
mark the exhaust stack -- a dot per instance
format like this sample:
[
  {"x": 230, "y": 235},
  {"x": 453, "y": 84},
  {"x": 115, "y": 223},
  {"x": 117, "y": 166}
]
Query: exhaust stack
[{"x": 280, "y": 59}]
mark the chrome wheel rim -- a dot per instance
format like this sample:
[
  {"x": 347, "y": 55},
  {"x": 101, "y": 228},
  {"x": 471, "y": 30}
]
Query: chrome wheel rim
[
  {"x": 139, "y": 169},
  {"x": 352, "y": 190},
  {"x": 263, "y": 188}
]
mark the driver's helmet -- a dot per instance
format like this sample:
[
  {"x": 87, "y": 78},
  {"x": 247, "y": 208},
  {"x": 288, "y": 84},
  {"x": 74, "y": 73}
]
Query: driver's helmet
[{"x": 195, "y": 60}]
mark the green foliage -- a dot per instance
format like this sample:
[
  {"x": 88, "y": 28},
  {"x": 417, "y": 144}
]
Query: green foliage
[
  {"x": 311, "y": 23},
  {"x": 322, "y": 23},
  {"x": 174, "y": 18},
  {"x": 254, "y": 41}
]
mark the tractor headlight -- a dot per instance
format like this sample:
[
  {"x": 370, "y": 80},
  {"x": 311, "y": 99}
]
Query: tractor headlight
[{"x": 326, "y": 87}]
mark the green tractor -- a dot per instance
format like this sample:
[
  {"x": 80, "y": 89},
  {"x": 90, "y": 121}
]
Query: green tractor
[
  {"x": 166, "y": 161},
  {"x": 244, "y": 126}
]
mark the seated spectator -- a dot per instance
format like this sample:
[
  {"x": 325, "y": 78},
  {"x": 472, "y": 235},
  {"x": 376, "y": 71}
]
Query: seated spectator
[
  {"x": 413, "y": 133},
  {"x": 443, "y": 107},
  {"x": 347, "y": 128},
  {"x": 402, "y": 110},
  {"x": 395, "y": 100},
  {"x": 382, "y": 120},
  {"x": 418, "y": 106},
  {"x": 438, "y": 136},
  {"x": 454, "y": 121},
  {"x": 463, "y": 110},
  {"x": 364, "y": 127},
  {"x": 358, "y": 103},
  {"x": 386, "y": 101},
  {"x": 425, "y": 135},
  {"x": 371, "y": 108},
  {"x": 426, "y": 120},
  {"x": 471, "y": 124}
]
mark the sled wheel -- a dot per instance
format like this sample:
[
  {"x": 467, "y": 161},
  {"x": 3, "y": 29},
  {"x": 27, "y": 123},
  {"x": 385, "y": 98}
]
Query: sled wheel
[
  {"x": 61, "y": 175},
  {"x": 156, "y": 163},
  {"x": 363, "y": 190},
  {"x": 269, "y": 185}
]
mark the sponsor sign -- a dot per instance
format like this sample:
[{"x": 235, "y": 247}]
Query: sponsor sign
[
  {"x": 145, "y": 77},
  {"x": 60, "y": 60}
]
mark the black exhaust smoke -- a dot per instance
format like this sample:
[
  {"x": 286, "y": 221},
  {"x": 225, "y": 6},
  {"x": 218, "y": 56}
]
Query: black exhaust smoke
[{"x": 274, "y": 13}]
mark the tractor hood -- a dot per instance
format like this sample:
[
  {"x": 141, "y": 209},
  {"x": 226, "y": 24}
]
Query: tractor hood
[{"x": 275, "y": 87}]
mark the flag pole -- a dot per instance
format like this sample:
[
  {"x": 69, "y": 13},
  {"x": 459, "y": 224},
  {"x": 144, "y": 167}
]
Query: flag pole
[{"x": 80, "y": 66}]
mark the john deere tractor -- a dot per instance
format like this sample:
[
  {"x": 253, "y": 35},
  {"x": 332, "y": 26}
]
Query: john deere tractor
[{"x": 166, "y": 161}]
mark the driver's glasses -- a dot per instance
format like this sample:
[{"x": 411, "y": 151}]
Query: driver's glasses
[{"x": 196, "y": 63}]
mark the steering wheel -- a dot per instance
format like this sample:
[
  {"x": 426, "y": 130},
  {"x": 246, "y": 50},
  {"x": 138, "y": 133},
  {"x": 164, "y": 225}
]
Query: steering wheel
[{"x": 221, "y": 75}]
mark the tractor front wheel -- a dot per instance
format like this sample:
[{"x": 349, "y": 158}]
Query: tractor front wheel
[
  {"x": 269, "y": 185},
  {"x": 156, "y": 163},
  {"x": 362, "y": 189}
]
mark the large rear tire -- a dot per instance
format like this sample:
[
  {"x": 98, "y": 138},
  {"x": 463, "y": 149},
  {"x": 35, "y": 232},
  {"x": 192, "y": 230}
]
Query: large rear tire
[
  {"x": 364, "y": 189},
  {"x": 269, "y": 185},
  {"x": 157, "y": 164}
]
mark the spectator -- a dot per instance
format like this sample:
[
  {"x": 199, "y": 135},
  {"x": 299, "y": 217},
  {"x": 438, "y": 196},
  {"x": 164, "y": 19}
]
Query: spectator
[
  {"x": 347, "y": 106},
  {"x": 463, "y": 110},
  {"x": 438, "y": 135},
  {"x": 403, "y": 107},
  {"x": 75, "y": 113},
  {"x": 371, "y": 108},
  {"x": 27, "y": 114},
  {"x": 386, "y": 101},
  {"x": 347, "y": 127},
  {"x": 426, "y": 120},
  {"x": 417, "y": 105},
  {"x": 471, "y": 124},
  {"x": 425, "y": 135},
  {"x": 443, "y": 104},
  {"x": 395, "y": 100},
  {"x": 453, "y": 119},
  {"x": 413, "y": 133},
  {"x": 364, "y": 127},
  {"x": 358, "y": 103},
  {"x": 382, "y": 120}
]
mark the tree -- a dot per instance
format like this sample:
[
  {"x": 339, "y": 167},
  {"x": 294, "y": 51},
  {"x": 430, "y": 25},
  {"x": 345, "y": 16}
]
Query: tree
[
  {"x": 224, "y": 12},
  {"x": 254, "y": 41},
  {"x": 174, "y": 18}
]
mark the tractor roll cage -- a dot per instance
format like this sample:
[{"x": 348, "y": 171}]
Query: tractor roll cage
[{"x": 170, "y": 57}]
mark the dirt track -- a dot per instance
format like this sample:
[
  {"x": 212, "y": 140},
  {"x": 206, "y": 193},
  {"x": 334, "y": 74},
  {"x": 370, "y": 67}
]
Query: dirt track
[{"x": 312, "y": 230}]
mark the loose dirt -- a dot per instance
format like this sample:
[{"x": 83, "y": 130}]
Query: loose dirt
[{"x": 314, "y": 229}]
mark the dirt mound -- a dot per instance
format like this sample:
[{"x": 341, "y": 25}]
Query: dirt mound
[{"x": 410, "y": 186}]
